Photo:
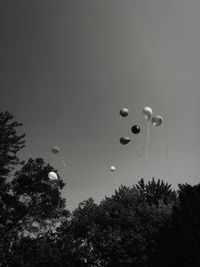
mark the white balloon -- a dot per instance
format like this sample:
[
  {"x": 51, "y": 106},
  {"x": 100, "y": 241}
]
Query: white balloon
[
  {"x": 157, "y": 120},
  {"x": 112, "y": 168},
  {"x": 147, "y": 112},
  {"x": 53, "y": 176}
]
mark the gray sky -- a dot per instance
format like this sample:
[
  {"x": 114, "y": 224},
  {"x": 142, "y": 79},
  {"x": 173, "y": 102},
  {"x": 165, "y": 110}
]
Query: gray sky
[{"x": 67, "y": 67}]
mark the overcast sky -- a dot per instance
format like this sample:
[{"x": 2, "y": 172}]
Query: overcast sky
[{"x": 68, "y": 66}]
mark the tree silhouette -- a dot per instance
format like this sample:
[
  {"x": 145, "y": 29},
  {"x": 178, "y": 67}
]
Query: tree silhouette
[
  {"x": 120, "y": 231},
  {"x": 156, "y": 192},
  {"x": 28, "y": 202},
  {"x": 10, "y": 144},
  {"x": 32, "y": 212},
  {"x": 180, "y": 239}
]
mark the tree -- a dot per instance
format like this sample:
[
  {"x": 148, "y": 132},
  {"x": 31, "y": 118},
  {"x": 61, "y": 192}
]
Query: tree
[
  {"x": 156, "y": 192},
  {"x": 10, "y": 144},
  {"x": 36, "y": 192},
  {"x": 180, "y": 241},
  {"x": 120, "y": 231},
  {"x": 31, "y": 206},
  {"x": 33, "y": 211}
]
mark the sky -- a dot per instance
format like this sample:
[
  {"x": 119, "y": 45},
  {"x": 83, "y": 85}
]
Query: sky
[{"x": 68, "y": 66}]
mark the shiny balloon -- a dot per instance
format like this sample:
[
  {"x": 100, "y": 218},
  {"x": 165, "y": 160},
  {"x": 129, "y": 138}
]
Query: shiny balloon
[
  {"x": 55, "y": 149},
  {"x": 52, "y": 176},
  {"x": 157, "y": 120},
  {"x": 125, "y": 140},
  {"x": 112, "y": 168},
  {"x": 135, "y": 129},
  {"x": 124, "y": 112},
  {"x": 148, "y": 113}
]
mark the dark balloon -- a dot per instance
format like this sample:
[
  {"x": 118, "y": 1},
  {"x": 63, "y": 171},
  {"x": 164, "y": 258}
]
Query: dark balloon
[
  {"x": 124, "y": 112},
  {"x": 55, "y": 149},
  {"x": 135, "y": 129},
  {"x": 157, "y": 120},
  {"x": 125, "y": 140}
]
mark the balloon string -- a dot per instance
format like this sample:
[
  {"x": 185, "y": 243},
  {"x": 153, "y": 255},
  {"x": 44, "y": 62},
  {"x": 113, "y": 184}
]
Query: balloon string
[
  {"x": 63, "y": 160},
  {"x": 141, "y": 155},
  {"x": 147, "y": 149},
  {"x": 138, "y": 155},
  {"x": 167, "y": 152}
]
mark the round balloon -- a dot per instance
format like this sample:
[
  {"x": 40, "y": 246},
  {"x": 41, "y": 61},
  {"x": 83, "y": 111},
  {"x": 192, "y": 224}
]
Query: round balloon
[
  {"x": 55, "y": 149},
  {"x": 112, "y": 168},
  {"x": 52, "y": 176},
  {"x": 157, "y": 120},
  {"x": 124, "y": 112},
  {"x": 124, "y": 140},
  {"x": 135, "y": 129},
  {"x": 147, "y": 112}
]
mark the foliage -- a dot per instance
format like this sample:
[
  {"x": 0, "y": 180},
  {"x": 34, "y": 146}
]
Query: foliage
[
  {"x": 30, "y": 204},
  {"x": 33, "y": 208},
  {"x": 120, "y": 231},
  {"x": 180, "y": 241},
  {"x": 156, "y": 192},
  {"x": 10, "y": 144}
]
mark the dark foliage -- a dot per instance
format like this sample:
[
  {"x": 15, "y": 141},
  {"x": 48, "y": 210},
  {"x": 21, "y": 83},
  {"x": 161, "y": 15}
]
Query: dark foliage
[
  {"x": 180, "y": 240},
  {"x": 121, "y": 231},
  {"x": 10, "y": 144}
]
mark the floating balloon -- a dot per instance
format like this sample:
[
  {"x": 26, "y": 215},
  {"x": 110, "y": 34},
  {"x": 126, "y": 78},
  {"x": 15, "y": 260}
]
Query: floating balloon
[
  {"x": 112, "y": 168},
  {"x": 147, "y": 112},
  {"x": 135, "y": 129},
  {"x": 52, "y": 176},
  {"x": 157, "y": 120},
  {"x": 124, "y": 112},
  {"x": 125, "y": 140},
  {"x": 55, "y": 149}
]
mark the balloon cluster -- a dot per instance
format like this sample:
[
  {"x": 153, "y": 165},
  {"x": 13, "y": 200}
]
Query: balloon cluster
[
  {"x": 124, "y": 140},
  {"x": 135, "y": 129},
  {"x": 155, "y": 120}
]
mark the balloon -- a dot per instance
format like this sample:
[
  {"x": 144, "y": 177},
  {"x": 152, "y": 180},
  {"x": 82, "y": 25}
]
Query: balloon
[
  {"x": 135, "y": 129},
  {"x": 55, "y": 149},
  {"x": 53, "y": 176},
  {"x": 124, "y": 140},
  {"x": 147, "y": 112},
  {"x": 112, "y": 168},
  {"x": 157, "y": 120},
  {"x": 124, "y": 112}
]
